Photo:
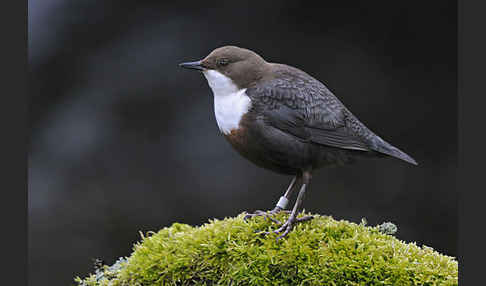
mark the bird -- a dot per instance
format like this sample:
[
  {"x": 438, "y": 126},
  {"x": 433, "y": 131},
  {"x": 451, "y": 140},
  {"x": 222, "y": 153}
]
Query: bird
[{"x": 284, "y": 120}]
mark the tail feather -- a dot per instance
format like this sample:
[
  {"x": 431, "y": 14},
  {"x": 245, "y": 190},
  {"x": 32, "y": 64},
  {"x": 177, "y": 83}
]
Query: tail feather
[{"x": 386, "y": 148}]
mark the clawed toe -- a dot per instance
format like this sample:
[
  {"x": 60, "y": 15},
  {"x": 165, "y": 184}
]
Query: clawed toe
[
  {"x": 287, "y": 226},
  {"x": 256, "y": 213},
  {"x": 266, "y": 215},
  {"x": 305, "y": 218}
]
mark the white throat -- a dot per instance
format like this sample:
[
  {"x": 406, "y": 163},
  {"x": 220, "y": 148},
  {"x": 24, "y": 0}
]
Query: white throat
[{"x": 230, "y": 103}]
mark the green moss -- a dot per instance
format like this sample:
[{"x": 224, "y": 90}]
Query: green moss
[{"x": 322, "y": 251}]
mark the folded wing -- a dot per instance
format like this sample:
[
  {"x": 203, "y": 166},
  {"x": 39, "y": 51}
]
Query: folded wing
[{"x": 301, "y": 106}]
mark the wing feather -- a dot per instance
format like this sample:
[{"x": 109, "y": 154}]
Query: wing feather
[{"x": 299, "y": 105}]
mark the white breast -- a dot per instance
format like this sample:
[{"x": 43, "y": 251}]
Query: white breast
[{"x": 230, "y": 103}]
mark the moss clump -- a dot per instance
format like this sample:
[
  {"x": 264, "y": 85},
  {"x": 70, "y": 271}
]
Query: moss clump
[{"x": 322, "y": 251}]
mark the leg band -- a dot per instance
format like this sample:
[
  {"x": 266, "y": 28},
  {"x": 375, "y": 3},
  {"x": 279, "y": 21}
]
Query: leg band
[{"x": 282, "y": 202}]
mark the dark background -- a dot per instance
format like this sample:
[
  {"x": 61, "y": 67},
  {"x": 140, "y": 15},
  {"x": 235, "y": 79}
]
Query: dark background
[{"x": 124, "y": 140}]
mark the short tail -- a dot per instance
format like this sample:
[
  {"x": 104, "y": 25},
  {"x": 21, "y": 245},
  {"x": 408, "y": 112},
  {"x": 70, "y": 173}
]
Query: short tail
[{"x": 382, "y": 146}]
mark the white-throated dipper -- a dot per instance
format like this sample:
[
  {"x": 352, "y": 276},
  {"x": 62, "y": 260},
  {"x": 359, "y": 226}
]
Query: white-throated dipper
[{"x": 284, "y": 120}]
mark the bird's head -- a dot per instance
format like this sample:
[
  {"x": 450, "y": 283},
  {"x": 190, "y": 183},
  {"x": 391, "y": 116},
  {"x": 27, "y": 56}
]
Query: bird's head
[{"x": 230, "y": 65}]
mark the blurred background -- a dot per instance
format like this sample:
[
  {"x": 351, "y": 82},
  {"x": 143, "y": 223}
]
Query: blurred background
[{"x": 123, "y": 140}]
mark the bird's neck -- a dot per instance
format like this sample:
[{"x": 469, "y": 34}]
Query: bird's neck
[
  {"x": 230, "y": 102},
  {"x": 220, "y": 84}
]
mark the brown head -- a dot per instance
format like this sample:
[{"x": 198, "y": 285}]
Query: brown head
[{"x": 242, "y": 66}]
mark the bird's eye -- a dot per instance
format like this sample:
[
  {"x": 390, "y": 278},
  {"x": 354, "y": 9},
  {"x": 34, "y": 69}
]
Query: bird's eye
[{"x": 223, "y": 62}]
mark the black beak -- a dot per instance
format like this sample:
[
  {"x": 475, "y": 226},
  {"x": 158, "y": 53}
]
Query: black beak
[{"x": 193, "y": 65}]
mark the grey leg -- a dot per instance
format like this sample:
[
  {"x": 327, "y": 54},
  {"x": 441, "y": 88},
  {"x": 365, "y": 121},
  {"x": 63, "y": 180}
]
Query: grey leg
[
  {"x": 281, "y": 204},
  {"x": 284, "y": 200},
  {"x": 292, "y": 220}
]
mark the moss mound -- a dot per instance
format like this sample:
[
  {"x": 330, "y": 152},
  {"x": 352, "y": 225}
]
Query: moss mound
[{"x": 322, "y": 251}]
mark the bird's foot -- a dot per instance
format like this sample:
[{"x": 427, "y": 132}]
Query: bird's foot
[
  {"x": 267, "y": 214},
  {"x": 288, "y": 225}
]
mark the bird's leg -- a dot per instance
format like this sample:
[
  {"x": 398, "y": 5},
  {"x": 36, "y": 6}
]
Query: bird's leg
[
  {"x": 281, "y": 204},
  {"x": 292, "y": 220}
]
